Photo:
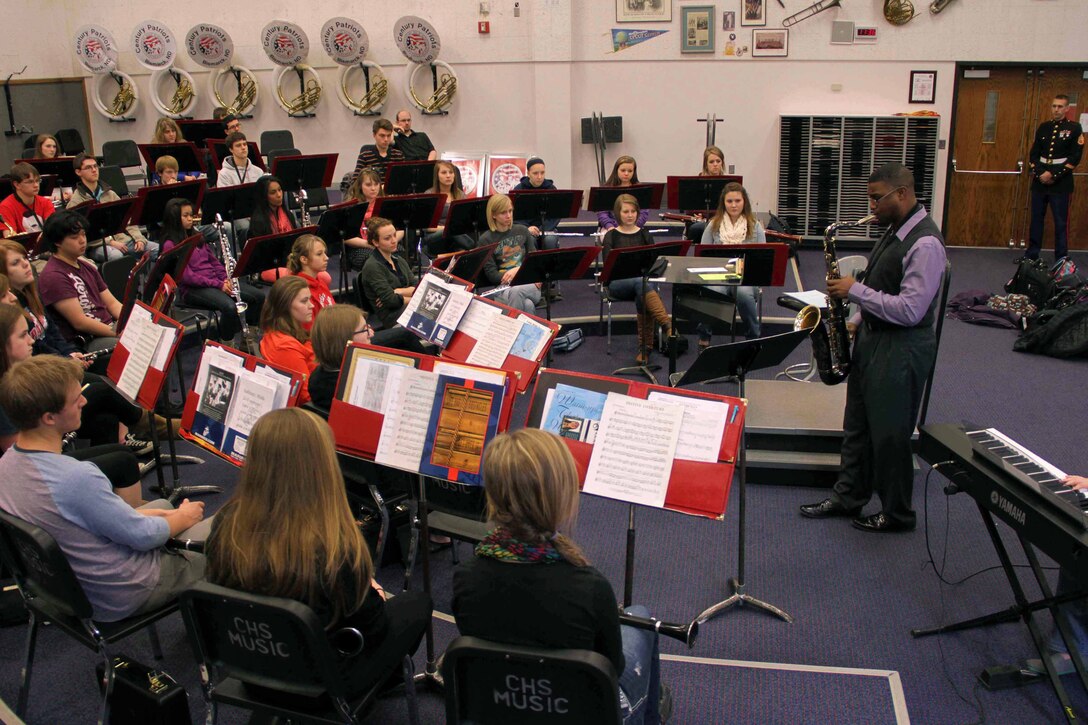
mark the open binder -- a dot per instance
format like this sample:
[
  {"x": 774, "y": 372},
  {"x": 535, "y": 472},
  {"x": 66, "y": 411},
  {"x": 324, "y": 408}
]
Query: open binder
[
  {"x": 143, "y": 354},
  {"x": 529, "y": 348},
  {"x": 230, "y": 391},
  {"x": 700, "y": 488},
  {"x": 469, "y": 406}
]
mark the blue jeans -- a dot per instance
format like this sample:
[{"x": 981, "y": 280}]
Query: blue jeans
[
  {"x": 1059, "y": 205},
  {"x": 630, "y": 289},
  {"x": 640, "y": 682},
  {"x": 747, "y": 306}
]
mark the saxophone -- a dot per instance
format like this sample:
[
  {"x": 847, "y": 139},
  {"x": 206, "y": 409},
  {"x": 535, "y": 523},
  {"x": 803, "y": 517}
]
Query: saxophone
[
  {"x": 240, "y": 305},
  {"x": 830, "y": 338}
]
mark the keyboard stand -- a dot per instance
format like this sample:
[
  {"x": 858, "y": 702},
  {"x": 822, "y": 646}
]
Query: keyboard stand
[{"x": 1023, "y": 610}]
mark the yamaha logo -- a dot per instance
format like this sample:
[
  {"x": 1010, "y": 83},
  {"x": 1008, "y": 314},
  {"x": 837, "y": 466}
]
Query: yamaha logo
[
  {"x": 209, "y": 45},
  {"x": 344, "y": 40},
  {"x": 154, "y": 45},
  {"x": 1007, "y": 507},
  {"x": 285, "y": 43},
  {"x": 417, "y": 39},
  {"x": 96, "y": 49}
]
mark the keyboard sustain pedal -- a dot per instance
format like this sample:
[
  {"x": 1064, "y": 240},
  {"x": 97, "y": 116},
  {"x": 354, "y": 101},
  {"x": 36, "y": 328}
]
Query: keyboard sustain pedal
[{"x": 1004, "y": 677}]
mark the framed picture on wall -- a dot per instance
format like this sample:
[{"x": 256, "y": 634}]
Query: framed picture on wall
[
  {"x": 753, "y": 12},
  {"x": 771, "y": 43},
  {"x": 697, "y": 29},
  {"x": 923, "y": 86},
  {"x": 643, "y": 11},
  {"x": 470, "y": 166}
]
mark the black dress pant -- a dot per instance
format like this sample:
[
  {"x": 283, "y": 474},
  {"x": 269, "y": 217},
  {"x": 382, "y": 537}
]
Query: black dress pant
[
  {"x": 883, "y": 394},
  {"x": 407, "y": 614},
  {"x": 118, "y": 464}
]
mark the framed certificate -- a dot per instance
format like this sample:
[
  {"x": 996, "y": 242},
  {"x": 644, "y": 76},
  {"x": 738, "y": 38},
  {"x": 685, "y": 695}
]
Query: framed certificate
[{"x": 923, "y": 86}]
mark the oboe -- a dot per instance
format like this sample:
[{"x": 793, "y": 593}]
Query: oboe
[{"x": 235, "y": 286}]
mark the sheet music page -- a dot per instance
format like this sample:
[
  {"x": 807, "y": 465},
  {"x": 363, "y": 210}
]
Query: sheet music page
[
  {"x": 405, "y": 429},
  {"x": 457, "y": 370},
  {"x": 633, "y": 454},
  {"x": 491, "y": 349},
  {"x": 374, "y": 384},
  {"x": 435, "y": 309},
  {"x": 166, "y": 344},
  {"x": 477, "y": 318},
  {"x": 141, "y": 337},
  {"x": 810, "y": 297},
  {"x": 531, "y": 338},
  {"x": 280, "y": 381},
  {"x": 702, "y": 428},
  {"x": 254, "y": 395}
]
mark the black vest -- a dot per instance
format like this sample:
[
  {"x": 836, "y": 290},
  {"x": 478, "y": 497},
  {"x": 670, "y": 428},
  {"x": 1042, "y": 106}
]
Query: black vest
[{"x": 885, "y": 270}]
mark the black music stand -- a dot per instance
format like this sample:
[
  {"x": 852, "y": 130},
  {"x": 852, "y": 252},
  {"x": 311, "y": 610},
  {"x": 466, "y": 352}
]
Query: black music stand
[
  {"x": 308, "y": 171},
  {"x": 408, "y": 177},
  {"x": 603, "y": 198},
  {"x": 108, "y": 218},
  {"x": 627, "y": 262},
  {"x": 412, "y": 212},
  {"x": 58, "y": 166},
  {"x": 200, "y": 130},
  {"x": 268, "y": 252},
  {"x": 131, "y": 292},
  {"x": 217, "y": 147},
  {"x": 546, "y": 204},
  {"x": 469, "y": 263},
  {"x": 229, "y": 203},
  {"x": 172, "y": 262},
  {"x": 738, "y": 359},
  {"x": 49, "y": 183},
  {"x": 7, "y": 188},
  {"x": 698, "y": 193},
  {"x": 185, "y": 152},
  {"x": 153, "y": 200},
  {"x": 466, "y": 217},
  {"x": 340, "y": 222}
]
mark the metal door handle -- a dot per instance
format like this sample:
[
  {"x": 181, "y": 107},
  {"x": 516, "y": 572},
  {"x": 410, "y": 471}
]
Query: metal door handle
[{"x": 1019, "y": 170}]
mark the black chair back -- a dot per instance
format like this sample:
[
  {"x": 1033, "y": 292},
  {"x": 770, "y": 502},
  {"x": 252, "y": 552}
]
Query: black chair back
[
  {"x": 114, "y": 178},
  {"x": 360, "y": 297},
  {"x": 264, "y": 641},
  {"x": 115, "y": 273},
  {"x": 276, "y": 141},
  {"x": 40, "y": 568},
  {"x": 489, "y": 683},
  {"x": 273, "y": 155},
  {"x": 71, "y": 142},
  {"x": 121, "y": 153}
]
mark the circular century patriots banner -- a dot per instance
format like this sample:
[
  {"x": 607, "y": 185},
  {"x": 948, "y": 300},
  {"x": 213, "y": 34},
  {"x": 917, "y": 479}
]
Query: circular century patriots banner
[
  {"x": 96, "y": 49},
  {"x": 344, "y": 40},
  {"x": 285, "y": 43},
  {"x": 417, "y": 39},
  {"x": 154, "y": 45},
  {"x": 209, "y": 45}
]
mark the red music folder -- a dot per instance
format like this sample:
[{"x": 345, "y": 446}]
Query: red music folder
[
  {"x": 700, "y": 488},
  {"x": 522, "y": 367},
  {"x": 152, "y": 372},
  {"x": 231, "y": 444},
  {"x": 358, "y": 429}
]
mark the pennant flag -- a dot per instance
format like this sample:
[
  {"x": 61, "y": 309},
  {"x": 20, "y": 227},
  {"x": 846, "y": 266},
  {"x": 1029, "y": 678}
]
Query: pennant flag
[{"x": 623, "y": 38}]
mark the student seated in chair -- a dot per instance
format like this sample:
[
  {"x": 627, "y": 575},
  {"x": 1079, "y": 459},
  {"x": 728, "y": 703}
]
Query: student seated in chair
[
  {"x": 116, "y": 552},
  {"x": 90, "y": 188},
  {"x": 315, "y": 552},
  {"x": 530, "y": 584}
]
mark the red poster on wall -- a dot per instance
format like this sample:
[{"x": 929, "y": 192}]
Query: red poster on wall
[
  {"x": 471, "y": 168},
  {"x": 504, "y": 172}
]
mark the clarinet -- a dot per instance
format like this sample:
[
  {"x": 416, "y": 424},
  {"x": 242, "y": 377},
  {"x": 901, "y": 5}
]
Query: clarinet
[
  {"x": 236, "y": 287},
  {"x": 685, "y": 633}
]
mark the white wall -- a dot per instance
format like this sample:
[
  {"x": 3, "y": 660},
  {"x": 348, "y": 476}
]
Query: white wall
[{"x": 526, "y": 85}]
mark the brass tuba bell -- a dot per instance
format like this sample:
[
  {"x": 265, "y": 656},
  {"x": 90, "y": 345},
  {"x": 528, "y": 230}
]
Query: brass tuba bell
[
  {"x": 377, "y": 89},
  {"x": 246, "y": 96},
  {"x": 445, "y": 88},
  {"x": 309, "y": 95}
]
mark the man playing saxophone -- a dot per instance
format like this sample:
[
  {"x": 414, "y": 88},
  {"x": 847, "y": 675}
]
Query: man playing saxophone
[{"x": 894, "y": 350}]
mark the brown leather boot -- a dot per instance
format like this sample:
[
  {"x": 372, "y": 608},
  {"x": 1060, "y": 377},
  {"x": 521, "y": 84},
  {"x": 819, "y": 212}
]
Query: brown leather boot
[
  {"x": 655, "y": 310},
  {"x": 641, "y": 323}
]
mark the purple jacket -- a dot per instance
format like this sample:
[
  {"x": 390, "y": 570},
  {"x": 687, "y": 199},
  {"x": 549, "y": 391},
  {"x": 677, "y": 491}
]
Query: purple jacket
[
  {"x": 203, "y": 270},
  {"x": 606, "y": 221}
]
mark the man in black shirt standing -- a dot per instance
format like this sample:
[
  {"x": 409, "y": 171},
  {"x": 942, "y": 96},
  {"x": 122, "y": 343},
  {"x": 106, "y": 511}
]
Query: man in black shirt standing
[
  {"x": 415, "y": 145},
  {"x": 1056, "y": 152}
]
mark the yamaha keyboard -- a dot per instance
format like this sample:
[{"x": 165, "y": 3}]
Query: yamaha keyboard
[{"x": 1014, "y": 485}]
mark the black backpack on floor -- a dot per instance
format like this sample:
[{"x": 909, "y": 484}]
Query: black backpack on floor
[{"x": 1032, "y": 278}]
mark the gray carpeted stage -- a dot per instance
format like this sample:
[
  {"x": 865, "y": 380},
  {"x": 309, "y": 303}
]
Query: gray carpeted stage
[{"x": 848, "y": 657}]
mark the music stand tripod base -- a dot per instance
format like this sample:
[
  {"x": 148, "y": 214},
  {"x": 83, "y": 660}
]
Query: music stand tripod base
[{"x": 739, "y": 598}]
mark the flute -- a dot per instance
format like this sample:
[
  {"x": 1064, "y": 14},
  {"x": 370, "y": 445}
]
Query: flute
[{"x": 686, "y": 633}]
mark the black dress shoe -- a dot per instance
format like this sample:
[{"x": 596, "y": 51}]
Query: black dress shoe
[
  {"x": 881, "y": 524},
  {"x": 826, "y": 509}
]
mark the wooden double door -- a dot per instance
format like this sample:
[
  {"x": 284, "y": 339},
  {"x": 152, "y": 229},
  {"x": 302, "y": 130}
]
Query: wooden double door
[{"x": 996, "y": 111}]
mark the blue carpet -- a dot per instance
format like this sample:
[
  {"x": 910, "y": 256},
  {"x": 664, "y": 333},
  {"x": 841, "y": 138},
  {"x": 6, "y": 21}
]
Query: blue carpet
[{"x": 854, "y": 596}]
